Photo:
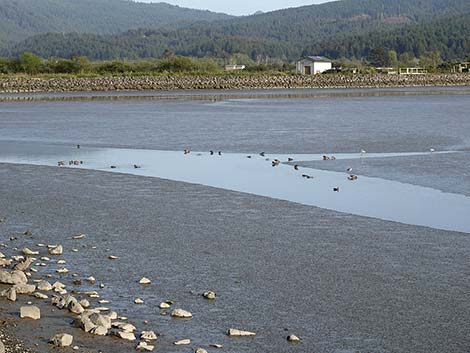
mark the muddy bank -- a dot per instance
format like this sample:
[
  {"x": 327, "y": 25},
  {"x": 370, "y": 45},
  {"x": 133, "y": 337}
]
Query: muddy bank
[
  {"x": 23, "y": 85},
  {"x": 340, "y": 282}
]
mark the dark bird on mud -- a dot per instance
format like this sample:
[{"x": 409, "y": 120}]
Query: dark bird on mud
[
  {"x": 336, "y": 189},
  {"x": 220, "y": 153},
  {"x": 296, "y": 167},
  {"x": 137, "y": 166},
  {"x": 211, "y": 152},
  {"x": 113, "y": 167},
  {"x": 248, "y": 156},
  {"x": 262, "y": 154},
  {"x": 306, "y": 176},
  {"x": 187, "y": 151},
  {"x": 349, "y": 170},
  {"x": 78, "y": 146},
  {"x": 290, "y": 159},
  {"x": 352, "y": 177}
]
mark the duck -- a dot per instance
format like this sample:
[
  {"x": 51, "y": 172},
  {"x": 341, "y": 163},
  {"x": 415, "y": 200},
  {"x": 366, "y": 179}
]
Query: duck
[
  {"x": 349, "y": 170},
  {"x": 352, "y": 177},
  {"x": 336, "y": 189},
  {"x": 262, "y": 154},
  {"x": 326, "y": 158},
  {"x": 296, "y": 167},
  {"x": 113, "y": 167},
  {"x": 290, "y": 159},
  {"x": 187, "y": 151},
  {"x": 60, "y": 163},
  {"x": 219, "y": 153},
  {"x": 211, "y": 152}
]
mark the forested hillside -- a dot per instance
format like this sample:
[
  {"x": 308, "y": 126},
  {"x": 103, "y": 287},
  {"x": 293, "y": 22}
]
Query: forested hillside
[
  {"x": 20, "y": 19},
  {"x": 348, "y": 28}
]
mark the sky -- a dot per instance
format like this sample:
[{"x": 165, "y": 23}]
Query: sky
[{"x": 239, "y": 7}]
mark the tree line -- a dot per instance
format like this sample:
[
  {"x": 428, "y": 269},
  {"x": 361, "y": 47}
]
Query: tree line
[{"x": 169, "y": 63}]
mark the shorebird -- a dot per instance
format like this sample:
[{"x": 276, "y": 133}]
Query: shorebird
[
  {"x": 211, "y": 152},
  {"x": 219, "y": 153},
  {"x": 363, "y": 151},
  {"x": 306, "y": 176},
  {"x": 296, "y": 167},
  {"x": 336, "y": 189},
  {"x": 290, "y": 159},
  {"x": 137, "y": 166},
  {"x": 352, "y": 177},
  {"x": 262, "y": 154},
  {"x": 61, "y": 163},
  {"x": 187, "y": 151},
  {"x": 432, "y": 150},
  {"x": 349, "y": 170}
]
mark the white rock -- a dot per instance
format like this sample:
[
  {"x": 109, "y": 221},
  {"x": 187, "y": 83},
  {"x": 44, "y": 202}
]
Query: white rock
[
  {"x": 112, "y": 257},
  {"x": 62, "y": 340},
  {"x": 62, "y": 270},
  {"x": 11, "y": 294},
  {"x": 61, "y": 262},
  {"x": 28, "y": 252},
  {"x": 76, "y": 308},
  {"x": 45, "y": 258},
  {"x": 23, "y": 266},
  {"x": 217, "y": 345},
  {"x": 44, "y": 286},
  {"x": 200, "y": 350},
  {"x": 58, "y": 250},
  {"x": 58, "y": 285},
  {"x": 125, "y": 335},
  {"x": 40, "y": 295},
  {"x": 209, "y": 295},
  {"x": 145, "y": 280},
  {"x": 138, "y": 301},
  {"x": 18, "y": 257},
  {"x": 79, "y": 236},
  {"x": 24, "y": 288},
  {"x": 236, "y": 332},
  {"x": 148, "y": 335},
  {"x": 103, "y": 301},
  {"x": 2, "y": 256},
  {"x": 293, "y": 338},
  {"x": 5, "y": 262},
  {"x": 91, "y": 279},
  {"x": 31, "y": 312},
  {"x": 100, "y": 331},
  {"x": 84, "y": 303},
  {"x": 181, "y": 313},
  {"x": 183, "y": 342},
  {"x": 143, "y": 346},
  {"x": 164, "y": 305},
  {"x": 14, "y": 277}
]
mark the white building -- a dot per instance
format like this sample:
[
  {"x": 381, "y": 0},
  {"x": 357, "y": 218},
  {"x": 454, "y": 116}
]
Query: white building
[{"x": 313, "y": 65}]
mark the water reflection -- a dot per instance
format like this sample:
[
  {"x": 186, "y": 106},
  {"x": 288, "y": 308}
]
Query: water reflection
[{"x": 372, "y": 197}]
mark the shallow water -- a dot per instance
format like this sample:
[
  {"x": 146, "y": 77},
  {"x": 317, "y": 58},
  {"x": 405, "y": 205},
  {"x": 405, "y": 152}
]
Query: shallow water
[
  {"x": 340, "y": 281},
  {"x": 372, "y": 197}
]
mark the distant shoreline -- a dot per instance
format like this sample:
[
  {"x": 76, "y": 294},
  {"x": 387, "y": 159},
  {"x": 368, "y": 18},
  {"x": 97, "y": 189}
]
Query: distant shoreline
[{"x": 225, "y": 82}]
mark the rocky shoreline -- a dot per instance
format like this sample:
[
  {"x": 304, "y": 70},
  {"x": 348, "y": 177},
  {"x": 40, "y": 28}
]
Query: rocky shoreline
[{"x": 140, "y": 83}]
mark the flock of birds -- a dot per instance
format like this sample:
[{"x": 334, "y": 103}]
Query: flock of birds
[{"x": 274, "y": 163}]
